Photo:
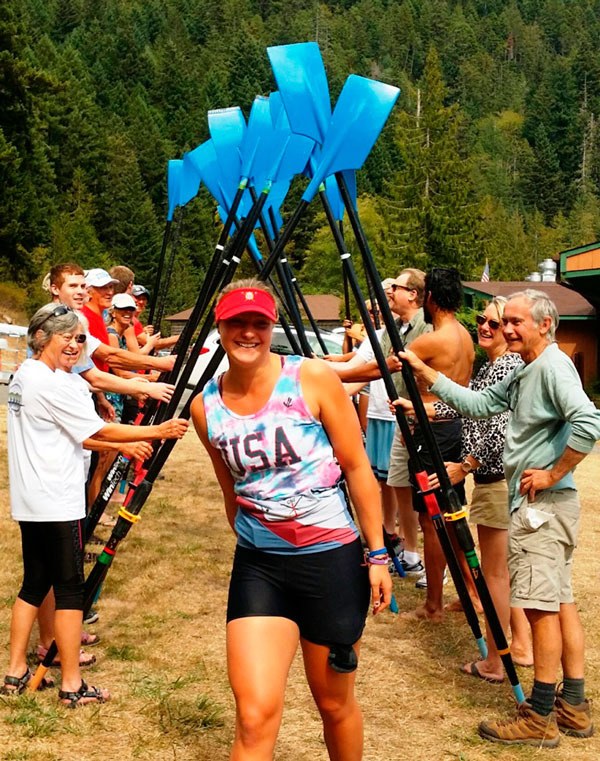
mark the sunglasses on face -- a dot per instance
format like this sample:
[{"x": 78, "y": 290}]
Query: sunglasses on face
[
  {"x": 395, "y": 286},
  {"x": 481, "y": 319},
  {"x": 81, "y": 338}
]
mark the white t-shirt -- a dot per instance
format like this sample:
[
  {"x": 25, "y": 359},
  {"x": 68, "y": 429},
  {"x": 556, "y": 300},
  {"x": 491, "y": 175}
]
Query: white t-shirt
[
  {"x": 378, "y": 396},
  {"x": 49, "y": 417}
]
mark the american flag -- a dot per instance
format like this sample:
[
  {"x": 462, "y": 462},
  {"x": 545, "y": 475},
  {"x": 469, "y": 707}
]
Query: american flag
[{"x": 485, "y": 275}]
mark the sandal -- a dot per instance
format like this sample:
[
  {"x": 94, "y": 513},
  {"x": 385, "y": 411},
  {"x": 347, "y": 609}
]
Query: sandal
[
  {"x": 83, "y": 696},
  {"x": 89, "y": 640},
  {"x": 13, "y": 685},
  {"x": 85, "y": 659}
]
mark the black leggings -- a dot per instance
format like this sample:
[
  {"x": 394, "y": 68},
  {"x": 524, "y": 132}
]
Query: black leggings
[{"x": 53, "y": 557}]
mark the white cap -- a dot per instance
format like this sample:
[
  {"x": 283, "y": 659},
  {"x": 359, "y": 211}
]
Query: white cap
[
  {"x": 123, "y": 301},
  {"x": 98, "y": 277},
  {"x": 387, "y": 282}
]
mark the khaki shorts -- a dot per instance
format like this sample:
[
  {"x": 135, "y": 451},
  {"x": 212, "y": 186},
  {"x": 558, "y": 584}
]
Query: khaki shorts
[
  {"x": 541, "y": 538},
  {"x": 398, "y": 470},
  {"x": 489, "y": 505}
]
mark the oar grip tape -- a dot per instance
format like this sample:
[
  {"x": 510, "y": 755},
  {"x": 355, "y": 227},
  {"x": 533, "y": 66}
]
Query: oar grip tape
[{"x": 427, "y": 494}]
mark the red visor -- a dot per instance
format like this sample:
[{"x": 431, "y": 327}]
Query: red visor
[{"x": 246, "y": 300}]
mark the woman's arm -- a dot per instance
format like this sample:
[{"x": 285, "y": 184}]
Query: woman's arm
[
  {"x": 221, "y": 470},
  {"x": 134, "y": 386},
  {"x": 136, "y": 450},
  {"x": 170, "y": 429},
  {"x": 329, "y": 403}
]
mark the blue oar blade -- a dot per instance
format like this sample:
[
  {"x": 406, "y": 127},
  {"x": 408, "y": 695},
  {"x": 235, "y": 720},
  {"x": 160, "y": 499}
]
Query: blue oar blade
[
  {"x": 360, "y": 114},
  {"x": 279, "y": 191},
  {"x": 227, "y": 128},
  {"x": 335, "y": 199},
  {"x": 189, "y": 184},
  {"x": 298, "y": 148},
  {"x": 203, "y": 160},
  {"x": 278, "y": 116},
  {"x": 183, "y": 183},
  {"x": 256, "y": 147},
  {"x": 252, "y": 245},
  {"x": 302, "y": 82}
]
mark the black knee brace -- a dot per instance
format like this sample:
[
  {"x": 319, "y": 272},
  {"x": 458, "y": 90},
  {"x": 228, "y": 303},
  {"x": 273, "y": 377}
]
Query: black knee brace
[{"x": 342, "y": 659}]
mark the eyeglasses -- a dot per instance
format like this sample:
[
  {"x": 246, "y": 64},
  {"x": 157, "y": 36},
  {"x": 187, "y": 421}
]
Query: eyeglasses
[
  {"x": 395, "y": 286},
  {"x": 81, "y": 338},
  {"x": 481, "y": 319}
]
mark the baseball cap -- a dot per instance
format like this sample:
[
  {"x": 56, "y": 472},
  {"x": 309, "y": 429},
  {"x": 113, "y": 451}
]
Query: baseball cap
[
  {"x": 243, "y": 300},
  {"x": 98, "y": 277},
  {"x": 123, "y": 301},
  {"x": 140, "y": 290}
]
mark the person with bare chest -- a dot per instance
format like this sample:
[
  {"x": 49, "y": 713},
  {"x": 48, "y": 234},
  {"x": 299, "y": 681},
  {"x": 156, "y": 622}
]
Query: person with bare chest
[{"x": 449, "y": 348}]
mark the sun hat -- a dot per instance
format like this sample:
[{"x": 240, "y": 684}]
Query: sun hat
[{"x": 243, "y": 300}]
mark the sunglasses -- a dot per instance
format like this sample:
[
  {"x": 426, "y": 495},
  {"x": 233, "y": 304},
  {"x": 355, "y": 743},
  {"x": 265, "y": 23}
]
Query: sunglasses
[
  {"x": 395, "y": 286},
  {"x": 60, "y": 311},
  {"x": 81, "y": 338},
  {"x": 481, "y": 319}
]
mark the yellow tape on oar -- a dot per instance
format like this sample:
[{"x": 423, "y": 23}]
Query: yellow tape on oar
[
  {"x": 455, "y": 516},
  {"x": 131, "y": 517}
]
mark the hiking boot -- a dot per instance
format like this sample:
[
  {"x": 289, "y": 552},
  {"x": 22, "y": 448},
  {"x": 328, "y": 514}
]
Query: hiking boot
[
  {"x": 575, "y": 721},
  {"x": 527, "y": 728}
]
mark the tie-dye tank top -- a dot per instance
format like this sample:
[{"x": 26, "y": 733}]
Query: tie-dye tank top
[{"x": 286, "y": 478}]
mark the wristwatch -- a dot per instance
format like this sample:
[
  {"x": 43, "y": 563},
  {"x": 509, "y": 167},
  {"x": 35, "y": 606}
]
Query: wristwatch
[{"x": 466, "y": 467}]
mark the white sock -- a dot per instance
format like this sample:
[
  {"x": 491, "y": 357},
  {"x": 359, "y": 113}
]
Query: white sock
[{"x": 411, "y": 558}]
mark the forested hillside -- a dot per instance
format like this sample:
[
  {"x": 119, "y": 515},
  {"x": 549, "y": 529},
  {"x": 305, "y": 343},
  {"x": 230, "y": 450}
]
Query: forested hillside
[{"x": 492, "y": 151}]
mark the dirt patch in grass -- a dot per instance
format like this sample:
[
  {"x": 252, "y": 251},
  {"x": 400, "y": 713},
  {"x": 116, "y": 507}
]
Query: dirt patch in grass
[{"x": 162, "y": 623}]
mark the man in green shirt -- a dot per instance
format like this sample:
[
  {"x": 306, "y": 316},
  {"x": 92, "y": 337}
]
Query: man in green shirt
[{"x": 552, "y": 427}]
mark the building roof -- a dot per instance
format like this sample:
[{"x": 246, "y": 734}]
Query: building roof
[
  {"x": 569, "y": 303},
  {"x": 324, "y": 308},
  {"x": 580, "y": 267}
]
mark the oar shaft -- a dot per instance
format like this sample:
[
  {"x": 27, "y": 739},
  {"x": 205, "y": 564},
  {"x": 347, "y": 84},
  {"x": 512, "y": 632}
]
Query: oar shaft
[
  {"x": 467, "y": 545},
  {"x": 159, "y": 269},
  {"x": 433, "y": 509}
]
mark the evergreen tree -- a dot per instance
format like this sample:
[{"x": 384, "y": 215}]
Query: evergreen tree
[
  {"x": 430, "y": 207},
  {"x": 543, "y": 181},
  {"x": 125, "y": 220}
]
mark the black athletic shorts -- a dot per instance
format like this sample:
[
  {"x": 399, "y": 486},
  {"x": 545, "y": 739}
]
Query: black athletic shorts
[
  {"x": 448, "y": 435},
  {"x": 326, "y": 593},
  {"x": 53, "y": 557}
]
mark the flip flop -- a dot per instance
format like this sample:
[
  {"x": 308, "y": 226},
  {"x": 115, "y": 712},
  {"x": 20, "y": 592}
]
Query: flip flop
[
  {"x": 85, "y": 659},
  {"x": 470, "y": 669},
  {"x": 88, "y": 639}
]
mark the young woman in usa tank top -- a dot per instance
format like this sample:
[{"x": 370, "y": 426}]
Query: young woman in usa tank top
[{"x": 282, "y": 435}]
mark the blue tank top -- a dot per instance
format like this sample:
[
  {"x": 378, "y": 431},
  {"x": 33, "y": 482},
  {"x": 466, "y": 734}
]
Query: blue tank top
[{"x": 286, "y": 478}]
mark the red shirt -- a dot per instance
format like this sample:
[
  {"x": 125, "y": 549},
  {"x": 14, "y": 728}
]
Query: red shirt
[{"x": 98, "y": 330}]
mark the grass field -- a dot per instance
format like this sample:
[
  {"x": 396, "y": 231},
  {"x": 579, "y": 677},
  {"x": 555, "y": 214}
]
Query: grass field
[{"x": 162, "y": 623}]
